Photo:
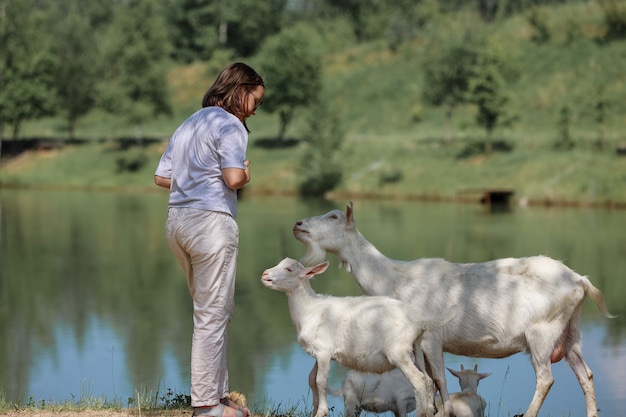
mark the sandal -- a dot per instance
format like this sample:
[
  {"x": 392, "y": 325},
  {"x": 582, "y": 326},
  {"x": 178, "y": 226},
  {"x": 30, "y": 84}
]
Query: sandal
[
  {"x": 216, "y": 411},
  {"x": 239, "y": 408}
]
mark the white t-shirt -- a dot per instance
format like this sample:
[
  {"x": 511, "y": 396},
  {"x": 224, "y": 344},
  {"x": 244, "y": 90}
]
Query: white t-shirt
[{"x": 208, "y": 141}]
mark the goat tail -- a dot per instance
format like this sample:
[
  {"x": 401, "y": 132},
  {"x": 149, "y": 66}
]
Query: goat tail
[{"x": 597, "y": 296}]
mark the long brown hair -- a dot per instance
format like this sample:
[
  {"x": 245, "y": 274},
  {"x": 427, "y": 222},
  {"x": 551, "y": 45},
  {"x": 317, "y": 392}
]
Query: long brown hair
[{"x": 230, "y": 86}]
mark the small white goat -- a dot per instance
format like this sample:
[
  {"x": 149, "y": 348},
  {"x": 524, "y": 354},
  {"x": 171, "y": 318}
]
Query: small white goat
[
  {"x": 466, "y": 403},
  {"x": 391, "y": 391},
  {"x": 376, "y": 393},
  {"x": 368, "y": 334},
  {"x": 505, "y": 306}
]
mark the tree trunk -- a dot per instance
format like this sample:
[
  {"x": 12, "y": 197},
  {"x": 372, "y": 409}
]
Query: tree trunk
[
  {"x": 447, "y": 135},
  {"x": 285, "y": 118}
]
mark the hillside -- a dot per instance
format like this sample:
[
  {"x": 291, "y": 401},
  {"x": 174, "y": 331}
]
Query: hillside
[{"x": 395, "y": 145}]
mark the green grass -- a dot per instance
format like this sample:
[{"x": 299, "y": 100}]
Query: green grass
[{"x": 144, "y": 401}]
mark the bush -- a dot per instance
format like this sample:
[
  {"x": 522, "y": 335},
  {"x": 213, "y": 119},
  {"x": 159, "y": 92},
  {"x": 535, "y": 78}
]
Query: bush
[
  {"x": 320, "y": 169},
  {"x": 131, "y": 161},
  {"x": 615, "y": 18}
]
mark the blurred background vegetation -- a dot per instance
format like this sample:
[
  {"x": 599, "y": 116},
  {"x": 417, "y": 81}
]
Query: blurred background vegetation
[{"x": 411, "y": 98}]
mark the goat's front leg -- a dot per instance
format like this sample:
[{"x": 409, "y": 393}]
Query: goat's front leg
[
  {"x": 433, "y": 355},
  {"x": 313, "y": 386},
  {"x": 318, "y": 380},
  {"x": 422, "y": 387}
]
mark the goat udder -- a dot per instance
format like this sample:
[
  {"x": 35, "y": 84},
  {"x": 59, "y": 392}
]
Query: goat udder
[{"x": 560, "y": 349}]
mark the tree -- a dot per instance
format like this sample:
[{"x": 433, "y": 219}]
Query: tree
[
  {"x": 320, "y": 167},
  {"x": 409, "y": 19},
  {"x": 447, "y": 75},
  {"x": 487, "y": 89},
  {"x": 538, "y": 19},
  {"x": 614, "y": 18},
  {"x": 487, "y": 92},
  {"x": 136, "y": 49},
  {"x": 250, "y": 22},
  {"x": 79, "y": 65},
  {"x": 195, "y": 29},
  {"x": 290, "y": 63},
  {"x": 469, "y": 68},
  {"x": 564, "y": 141},
  {"x": 26, "y": 62},
  {"x": 199, "y": 27},
  {"x": 370, "y": 18}
]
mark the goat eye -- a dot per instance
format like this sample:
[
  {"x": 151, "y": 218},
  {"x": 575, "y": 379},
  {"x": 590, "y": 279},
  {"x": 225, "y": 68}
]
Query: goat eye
[
  {"x": 288, "y": 269},
  {"x": 333, "y": 216}
]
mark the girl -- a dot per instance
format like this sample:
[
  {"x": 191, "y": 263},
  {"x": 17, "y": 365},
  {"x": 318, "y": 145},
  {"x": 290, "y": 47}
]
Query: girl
[{"x": 203, "y": 167}]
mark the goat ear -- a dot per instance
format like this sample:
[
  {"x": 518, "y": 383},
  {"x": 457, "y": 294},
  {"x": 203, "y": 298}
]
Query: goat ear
[
  {"x": 349, "y": 209},
  {"x": 455, "y": 373},
  {"x": 481, "y": 376},
  {"x": 316, "y": 270}
]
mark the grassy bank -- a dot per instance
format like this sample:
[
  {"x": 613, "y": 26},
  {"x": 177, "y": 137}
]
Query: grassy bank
[
  {"x": 167, "y": 404},
  {"x": 395, "y": 145},
  {"x": 402, "y": 168}
]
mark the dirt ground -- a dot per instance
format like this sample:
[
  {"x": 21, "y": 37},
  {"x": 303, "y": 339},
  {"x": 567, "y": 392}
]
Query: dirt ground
[{"x": 234, "y": 396}]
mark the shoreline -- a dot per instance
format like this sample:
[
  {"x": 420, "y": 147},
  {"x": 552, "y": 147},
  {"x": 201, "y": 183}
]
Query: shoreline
[{"x": 342, "y": 195}]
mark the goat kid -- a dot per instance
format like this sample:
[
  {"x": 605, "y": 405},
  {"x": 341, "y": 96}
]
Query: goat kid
[
  {"x": 505, "y": 306},
  {"x": 376, "y": 393},
  {"x": 466, "y": 403},
  {"x": 391, "y": 391},
  {"x": 366, "y": 333}
]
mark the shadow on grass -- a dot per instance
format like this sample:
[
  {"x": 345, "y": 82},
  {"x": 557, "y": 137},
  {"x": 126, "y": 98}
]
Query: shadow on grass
[
  {"x": 479, "y": 147},
  {"x": 274, "y": 143}
]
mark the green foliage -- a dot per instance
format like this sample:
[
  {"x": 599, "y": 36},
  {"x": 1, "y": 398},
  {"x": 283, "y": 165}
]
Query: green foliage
[
  {"x": 487, "y": 91},
  {"x": 538, "y": 20},
  {"x": 320, "y": 167},
  {"x": 200, "y": 28},
  {"x": 410, "y": 19},
  {"x": 564, "y": 142},
  {"x": 335, "y": 34},
  {"x": 78, "y": 62},
  {"x": 26, "y": 65},
  {"x": 131, "y": 160},
  {"x": 136, "y": 48},
  {"x": 195, "y": 29},
  {"x": 615, "y": 18},
  {"x": 480, "y": 147},
  {"x": 600, "y": 111},
  {"x": 379, "y": 93},
  {"x": 250, "y": 22},
  {"x": 369, "y": 18},
  {"x": 291, "y": 66},
  {"x": 469, "y": 67},
  {"x": 447, "y": 73},
  {"x": 390, "y": 176},
  {"x": 172, "y": 400}
]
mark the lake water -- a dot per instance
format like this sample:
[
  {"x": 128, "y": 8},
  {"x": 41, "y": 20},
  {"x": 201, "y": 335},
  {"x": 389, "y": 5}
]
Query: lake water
[{"x": 94, "y": 305}]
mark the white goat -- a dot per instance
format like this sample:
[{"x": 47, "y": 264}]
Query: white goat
[
  {"x": 391, "y": 391},
  {"x": 466, "y": 403},
  {"x": 369, "y": 334},
  {"x": 505, "y": 306},
  {"x": 377, "y": 393}
]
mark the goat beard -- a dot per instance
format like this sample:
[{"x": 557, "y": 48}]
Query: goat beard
[{"x": 314, "y": 255}]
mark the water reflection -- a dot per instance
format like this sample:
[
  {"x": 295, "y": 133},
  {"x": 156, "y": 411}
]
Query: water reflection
[{"x": 93, "y": 303}]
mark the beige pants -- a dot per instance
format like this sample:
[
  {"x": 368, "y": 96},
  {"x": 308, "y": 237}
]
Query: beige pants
[{"x": 206, "y": 245}]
